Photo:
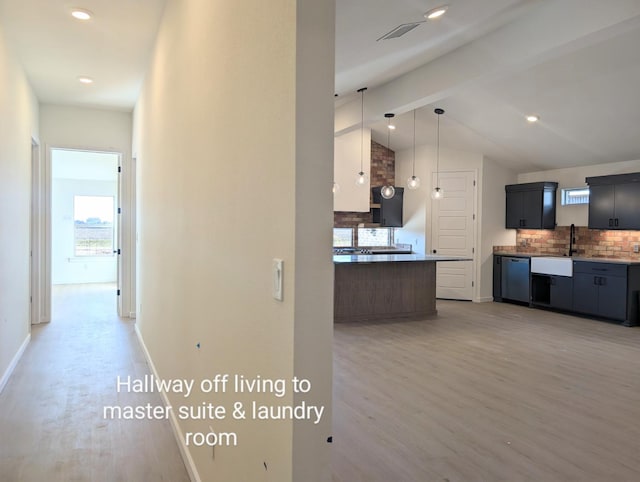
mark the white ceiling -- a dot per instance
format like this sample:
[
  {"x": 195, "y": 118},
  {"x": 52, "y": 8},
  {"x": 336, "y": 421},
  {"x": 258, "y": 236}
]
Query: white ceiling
[
  {"x": 575, "y": 63},
  {"x": 55, "y": 49}
]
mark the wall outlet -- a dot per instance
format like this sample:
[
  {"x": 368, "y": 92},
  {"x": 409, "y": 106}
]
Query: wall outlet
[{"x": 636, "y": 248}]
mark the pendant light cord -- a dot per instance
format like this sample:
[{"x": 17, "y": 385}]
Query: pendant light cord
[
  {"x": 413, "y": 171},
  {"x": 362, "y": 128},
  {"x": 438, "y": 154}
]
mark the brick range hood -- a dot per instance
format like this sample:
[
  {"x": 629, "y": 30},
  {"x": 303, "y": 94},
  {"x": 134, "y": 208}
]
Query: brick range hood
[{"x": 590, "y": 243}]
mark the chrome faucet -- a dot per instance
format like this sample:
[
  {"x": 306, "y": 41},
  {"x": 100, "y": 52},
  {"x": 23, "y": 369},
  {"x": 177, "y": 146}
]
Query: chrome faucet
[{"x": 572, "y": 240}]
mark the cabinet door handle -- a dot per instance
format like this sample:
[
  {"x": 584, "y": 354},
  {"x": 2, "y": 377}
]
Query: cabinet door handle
[
  {"x": 616, "y": 221},
  {"x": 603, "y": 281},
  {"x": 595, "y": 280},
  {"x": 610, "y": 222}
]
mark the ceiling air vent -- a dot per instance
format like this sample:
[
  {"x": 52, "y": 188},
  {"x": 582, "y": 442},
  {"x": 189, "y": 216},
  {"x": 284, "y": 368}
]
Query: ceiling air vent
[{"x": 400, "y": 30}]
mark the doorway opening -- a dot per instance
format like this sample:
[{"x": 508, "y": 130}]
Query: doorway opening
[{"x": 84, "y": 221}]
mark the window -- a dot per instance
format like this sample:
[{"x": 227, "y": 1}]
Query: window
[
  {"x": 93, "y": 225},
  {"x": 575, "y": 195},
  {"x": 342, "y": 237},
  {"x": 375, "y": 236}
]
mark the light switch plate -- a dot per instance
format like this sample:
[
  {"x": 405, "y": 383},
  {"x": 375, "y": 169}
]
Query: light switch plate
[{"x": 278, "y": 278}]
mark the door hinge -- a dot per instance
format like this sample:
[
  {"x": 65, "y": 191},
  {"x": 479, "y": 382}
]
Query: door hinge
[
  {"x": 119, "y": 210},
  {"x": 473, "y": 250},
  {"x": 474, "y": 182},
  {"x": 119, "y": 168},
  {"x": 474, "y": 217},
  {"x": 118, "y": 293},
  {"x": 118, "y": 251},
  {"x": 472, "y": 284}
]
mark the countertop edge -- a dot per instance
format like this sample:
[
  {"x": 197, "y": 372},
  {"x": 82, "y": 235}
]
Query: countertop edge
[{"x": 575, "y": 258}]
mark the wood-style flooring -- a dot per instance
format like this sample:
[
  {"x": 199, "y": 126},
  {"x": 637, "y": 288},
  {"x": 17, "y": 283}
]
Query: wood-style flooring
[
  {"x": 51, "y": 420},
  {"x": 486, "y": 392}
]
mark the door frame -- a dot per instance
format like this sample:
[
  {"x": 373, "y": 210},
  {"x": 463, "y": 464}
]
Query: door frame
[
  {"x": 125, "y": 227},
  {"x": 38, "y": 312}
]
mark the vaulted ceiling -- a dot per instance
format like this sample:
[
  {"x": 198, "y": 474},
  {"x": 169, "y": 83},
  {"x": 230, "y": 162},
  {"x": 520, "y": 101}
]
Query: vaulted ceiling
[{"x": 488, "y": 63}]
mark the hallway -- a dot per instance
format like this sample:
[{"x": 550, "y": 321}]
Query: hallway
[{"x": 51, "y": 409}]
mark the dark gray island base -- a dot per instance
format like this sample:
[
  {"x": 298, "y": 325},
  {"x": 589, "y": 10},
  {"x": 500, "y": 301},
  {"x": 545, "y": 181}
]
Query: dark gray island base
[{"x": 385, "y": 287}]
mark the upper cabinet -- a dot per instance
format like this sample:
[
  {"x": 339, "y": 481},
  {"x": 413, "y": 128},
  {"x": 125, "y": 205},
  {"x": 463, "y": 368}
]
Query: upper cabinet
[
  {"x": 531, "y": 205},
  {"x": 614, "y": 201},
  {"x": 387, "y": 212}
]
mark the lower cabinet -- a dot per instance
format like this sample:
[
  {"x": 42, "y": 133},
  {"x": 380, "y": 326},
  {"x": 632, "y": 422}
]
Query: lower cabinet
[
  {"x": 552, "y": 291},
  {"x": 597, "y": 288},
  {"x": 600, "y": 289},
  {"x": 561, "y": 292}
]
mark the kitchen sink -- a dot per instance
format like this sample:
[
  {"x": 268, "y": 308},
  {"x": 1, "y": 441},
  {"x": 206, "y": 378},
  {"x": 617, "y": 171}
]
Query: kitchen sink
[{"x": 552, "y": 265}]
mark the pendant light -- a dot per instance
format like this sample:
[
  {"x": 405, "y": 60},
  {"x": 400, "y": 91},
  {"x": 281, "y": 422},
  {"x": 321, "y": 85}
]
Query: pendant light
[
  {"x": 414, "y": 181},
  {"x": 388, "y": 191},
  {"x": 437, "y": 192},
  {"x": 362, "y": 179}
]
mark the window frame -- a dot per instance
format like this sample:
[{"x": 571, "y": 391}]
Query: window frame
[
  {"x": 567, "y": 199},
  {"x": 94, "y": 253}
]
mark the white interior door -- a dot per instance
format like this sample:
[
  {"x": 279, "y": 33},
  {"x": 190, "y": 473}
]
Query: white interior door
[{"x": 453, "y": 233}]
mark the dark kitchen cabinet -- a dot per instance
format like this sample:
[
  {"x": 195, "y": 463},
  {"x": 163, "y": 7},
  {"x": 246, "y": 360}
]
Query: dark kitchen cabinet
[
  {"x": 497, "y": 277},
  {"x": 614, "y": 201},
  {"x": 560, "y": 292},
  {"x": 600, "y": 289},
  {"x": 531, "y": 205},
  {"x": 389, "y": 212},
  {"x": 552, "y": 291}
]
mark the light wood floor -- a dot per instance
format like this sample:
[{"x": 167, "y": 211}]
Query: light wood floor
[
  {"x": 51, "y": 425},
  {"x": 484, "y": 392},
  {"x": 487, "y": 392}
]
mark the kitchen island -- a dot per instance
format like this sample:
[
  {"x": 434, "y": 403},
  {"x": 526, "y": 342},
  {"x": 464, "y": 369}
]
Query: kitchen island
[{"x": 385, "y": 287}]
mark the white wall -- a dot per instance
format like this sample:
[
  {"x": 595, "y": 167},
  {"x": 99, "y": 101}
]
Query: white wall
[
  {"x": 207, "y": 237},
  {"x": 99, "y": 130},
  {"x": 18, "y": 124},
  {"x": 574, "y": 177},
  {"x": 417, "y": 203},
  {"x": 490, "y": 205},
  {"x": 491, "y": 220},
  {"x": 348, "y": 149}
]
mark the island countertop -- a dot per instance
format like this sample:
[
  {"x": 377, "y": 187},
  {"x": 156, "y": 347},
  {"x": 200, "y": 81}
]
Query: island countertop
[{"x": 393, "y": 258}]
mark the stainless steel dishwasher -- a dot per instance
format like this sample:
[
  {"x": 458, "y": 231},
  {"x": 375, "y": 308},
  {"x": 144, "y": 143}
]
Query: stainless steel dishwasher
[{"x": 515, "y": 279}]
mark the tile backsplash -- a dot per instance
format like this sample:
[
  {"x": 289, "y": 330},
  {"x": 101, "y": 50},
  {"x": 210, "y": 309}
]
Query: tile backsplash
[{"x": 592, "y": 243}]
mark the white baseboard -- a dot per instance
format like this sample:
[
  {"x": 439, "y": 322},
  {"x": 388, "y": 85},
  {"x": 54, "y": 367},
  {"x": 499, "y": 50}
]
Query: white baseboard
[
  {"x": 486, "y": 299},
  {"x": 184, "y": 451},
  {"x": 14, "y": 362}
]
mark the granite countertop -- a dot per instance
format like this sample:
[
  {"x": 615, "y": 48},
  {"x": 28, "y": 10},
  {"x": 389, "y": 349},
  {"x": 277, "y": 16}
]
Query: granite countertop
[
  {"x": 394, "y": 258},
  {"x": 575, "y": 258}
]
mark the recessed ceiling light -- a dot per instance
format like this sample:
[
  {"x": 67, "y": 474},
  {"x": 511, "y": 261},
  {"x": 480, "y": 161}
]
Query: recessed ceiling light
[
  {"x": 436, "y": 12},
  {"x": 533, "y": 118},
  {"x": 81, "y": 13},
  {"x": 85, "y": 80}
]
